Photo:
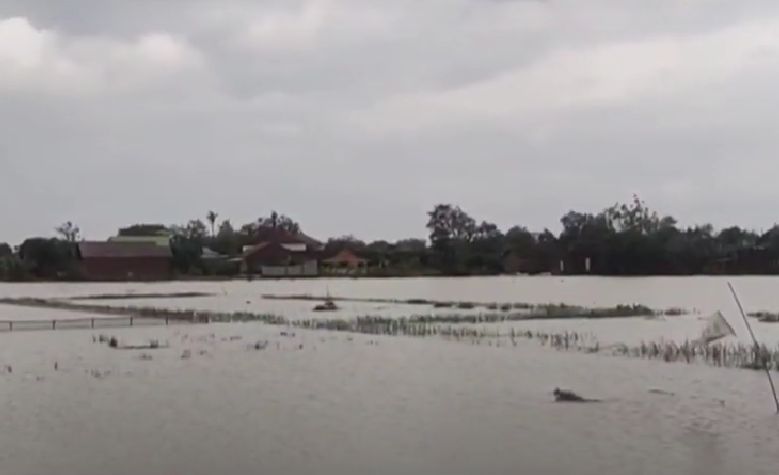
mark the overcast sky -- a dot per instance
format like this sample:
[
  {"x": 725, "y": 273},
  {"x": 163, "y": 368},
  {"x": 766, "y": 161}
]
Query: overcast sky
[{"x": 357, "y": 116}]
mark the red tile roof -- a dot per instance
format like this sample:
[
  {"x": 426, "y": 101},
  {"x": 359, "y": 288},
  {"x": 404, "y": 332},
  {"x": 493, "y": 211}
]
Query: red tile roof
[{"x": 345, "y": 256}]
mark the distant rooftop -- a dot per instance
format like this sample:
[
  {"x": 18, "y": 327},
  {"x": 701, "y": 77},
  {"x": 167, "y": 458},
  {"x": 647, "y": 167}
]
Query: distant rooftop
[
  {"x": 282, "y": 236},
  {"x": 159, "y": 239}
]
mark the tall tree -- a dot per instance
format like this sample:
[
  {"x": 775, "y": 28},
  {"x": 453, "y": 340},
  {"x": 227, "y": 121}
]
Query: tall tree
[
  {"x": 187, "y": 246},
  {"x": 47, "y": 257},
  {"x": 69, "y": 231},
  {"x": 275, "y": 220},
  {"x": 447, "y": 222},
  {"x": 226, "y": 241},
  {"x": 451, "y": 232},
  {"x": 226, "y": 228},
  {"x": 12, "y": 269},
  {"x": 211, "y": 218},
  {"x": 335, "y": 245},
  {"x": 520, "y": 241},
  {"x": 195, "y": 230},
  {"x": 413, "y": 245}
]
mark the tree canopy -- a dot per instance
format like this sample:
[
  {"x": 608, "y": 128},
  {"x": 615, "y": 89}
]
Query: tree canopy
[{"x": 622, "y": 239}]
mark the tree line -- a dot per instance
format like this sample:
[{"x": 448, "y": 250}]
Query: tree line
[{"x": 622, "y": 239}]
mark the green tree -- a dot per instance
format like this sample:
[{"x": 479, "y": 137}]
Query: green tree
[
  {"x": 485, "y": 253},
  {"x": 12, "y": 269},
  {"x": 451, "y": 230},
  {"x": 282, "y": 221},
  {"x": 5, "y": 250},
  {"x": 411, "y": 245},
  {"x": 186, "y": 244},
  {"x": 48, "y": 258},
  {"x": 335, "y": 245},
  {"x": 275, "y": 220},
  {"x": 195, "y": 230},
  {"x": 226, "y": 241},
  {"x": 379, "y": 247},
  {"x": 521, "y": 241},
  {"x": 447, "y": 222}
]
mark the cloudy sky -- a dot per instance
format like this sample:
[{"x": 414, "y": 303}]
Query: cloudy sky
[{"x": 356, "y": 116}]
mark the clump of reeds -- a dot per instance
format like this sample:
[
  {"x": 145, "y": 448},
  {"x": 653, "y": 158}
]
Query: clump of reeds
[{"x": 763, "y": 316}]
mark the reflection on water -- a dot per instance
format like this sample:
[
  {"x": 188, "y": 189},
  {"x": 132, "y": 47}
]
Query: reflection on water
[{"x": 320, "y": 402}]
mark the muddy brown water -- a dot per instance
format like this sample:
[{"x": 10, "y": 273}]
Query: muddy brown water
[{"x": 320, "y": 402}]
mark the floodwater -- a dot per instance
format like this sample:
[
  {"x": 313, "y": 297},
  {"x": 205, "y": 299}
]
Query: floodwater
[{"x": 321, "y": 402}]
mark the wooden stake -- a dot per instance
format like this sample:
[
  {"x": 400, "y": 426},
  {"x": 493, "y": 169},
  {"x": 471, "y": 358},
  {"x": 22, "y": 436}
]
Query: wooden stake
[{"x": 757, "y": 345}]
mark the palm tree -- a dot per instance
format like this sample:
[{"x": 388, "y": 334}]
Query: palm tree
[{"x": 211, "y": 218}]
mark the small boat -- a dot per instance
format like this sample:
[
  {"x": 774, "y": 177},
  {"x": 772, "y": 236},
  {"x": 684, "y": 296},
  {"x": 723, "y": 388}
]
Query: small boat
[{"x": 327, "y": 306}]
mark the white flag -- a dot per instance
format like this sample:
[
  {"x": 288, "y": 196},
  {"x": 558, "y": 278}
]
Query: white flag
[{"x": 716, "y": 328}]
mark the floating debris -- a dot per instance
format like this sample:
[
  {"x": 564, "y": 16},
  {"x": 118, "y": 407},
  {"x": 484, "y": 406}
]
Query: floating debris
[
  {"x": 259, "y": 345},
  {"x": 152, "y": 345},
  {"x": 661, "y": 392},
  {"x": 97, "y": 374},
  {"x": 565, "y": 395},
  {"x": 768, "y": 317}
]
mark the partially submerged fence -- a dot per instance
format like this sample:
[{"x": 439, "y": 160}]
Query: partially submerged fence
[{"x": 82, "y": 323}]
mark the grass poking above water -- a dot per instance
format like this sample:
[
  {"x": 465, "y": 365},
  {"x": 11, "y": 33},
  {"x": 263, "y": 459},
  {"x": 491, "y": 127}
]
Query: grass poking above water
[
  {"x": 527, "y": 310},
  {"x": 144, "y": 295}
]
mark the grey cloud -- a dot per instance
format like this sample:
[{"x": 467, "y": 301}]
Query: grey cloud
[{"x": 357, "y": 116}]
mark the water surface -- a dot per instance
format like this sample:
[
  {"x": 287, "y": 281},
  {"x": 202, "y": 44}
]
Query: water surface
[{"x": 320, "y": 402}]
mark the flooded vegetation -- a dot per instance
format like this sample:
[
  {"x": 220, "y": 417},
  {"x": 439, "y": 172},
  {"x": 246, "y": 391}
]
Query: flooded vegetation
[
  {"x": 383, "y": 373},
  {"x": 531, "y": 311}
]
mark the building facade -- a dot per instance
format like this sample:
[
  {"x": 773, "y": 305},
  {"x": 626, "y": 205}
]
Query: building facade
[{"x": 122, "y": 261}]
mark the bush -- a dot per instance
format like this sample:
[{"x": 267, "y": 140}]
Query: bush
[{"x": 12, "y": 269}]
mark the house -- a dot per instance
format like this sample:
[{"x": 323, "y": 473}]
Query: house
[
  {"x": 279, "y": 253},
  {"x": 345, "y": 262},
  {"x": 114, "y": 260}
]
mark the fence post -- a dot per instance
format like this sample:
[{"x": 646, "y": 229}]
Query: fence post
[
  {"x": 10, "y": 326},
  {"x": 93, "y": 323},
  {"x": 54, "y": 324},
  {"x": 131, "y": 321}
]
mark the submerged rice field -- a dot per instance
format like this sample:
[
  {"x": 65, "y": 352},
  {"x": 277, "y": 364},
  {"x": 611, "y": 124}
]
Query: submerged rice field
[{"x": 408, "y": 376}]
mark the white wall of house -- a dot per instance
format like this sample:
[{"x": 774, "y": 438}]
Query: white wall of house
[
  {"x": 294, "y": 247},
  {"x": 309, "y": 269}
]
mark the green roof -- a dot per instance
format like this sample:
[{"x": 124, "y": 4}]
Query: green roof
[{"x": 158, "y": 240}]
